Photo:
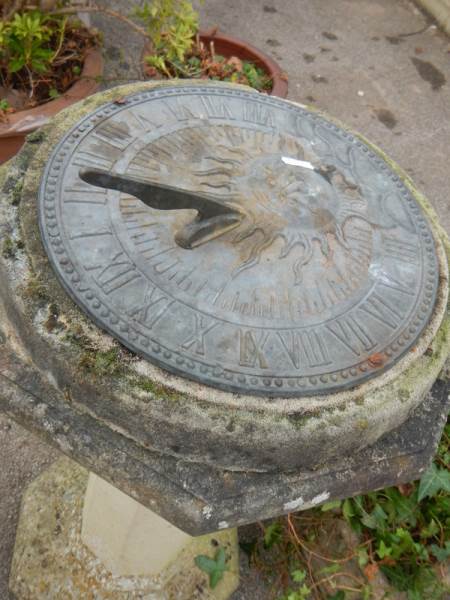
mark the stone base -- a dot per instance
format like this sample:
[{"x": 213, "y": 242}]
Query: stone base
[{"x": 51, "y": 562}]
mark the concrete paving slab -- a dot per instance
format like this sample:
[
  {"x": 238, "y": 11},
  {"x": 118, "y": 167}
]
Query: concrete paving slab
[{"x": 361, "y": 61}]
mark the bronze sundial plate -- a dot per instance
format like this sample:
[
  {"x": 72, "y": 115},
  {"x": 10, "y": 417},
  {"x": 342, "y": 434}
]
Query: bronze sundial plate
[{"x": 327, "y": 277}]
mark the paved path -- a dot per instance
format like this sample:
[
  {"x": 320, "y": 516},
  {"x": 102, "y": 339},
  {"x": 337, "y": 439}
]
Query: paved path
[{"x": 353, "y": 58}]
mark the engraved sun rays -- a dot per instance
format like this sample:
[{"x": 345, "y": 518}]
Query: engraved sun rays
[{"x": 298, "y": 209}]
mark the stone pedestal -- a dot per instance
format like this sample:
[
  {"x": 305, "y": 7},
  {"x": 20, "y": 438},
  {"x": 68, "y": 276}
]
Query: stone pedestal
[
  {"x": 81, "y": 538},
  {"x": 204, "y": 459}
]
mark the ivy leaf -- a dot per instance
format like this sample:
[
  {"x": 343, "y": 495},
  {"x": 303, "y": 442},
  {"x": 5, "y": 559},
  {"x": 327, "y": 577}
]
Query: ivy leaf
[
  {"x": 214, "y": 567},
  {"x": 433, "y": 481},
  {"x": 206, "y": 564},
  {"x": 272, "y": 534},
  {"x": 383, "y": 550},
  {"x": 376, "y": 519},
  {"x": 363, "y": 557},
  {"x": 298, "y": 575},
  {"x": 441, "y": 553},
  {"x": 430, "y": 530},
  {"x": 402, "y": 509}
]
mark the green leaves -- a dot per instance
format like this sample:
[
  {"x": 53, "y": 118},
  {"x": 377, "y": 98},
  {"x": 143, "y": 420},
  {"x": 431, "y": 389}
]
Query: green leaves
[
  {"x": 25, "y": 42},
  {"x": 374, "y": 520},
  {"x": 257, "y": 77},
  {"x": 331, "y": 505},
  {"x": 299, "y": 575},
  {"x": 441, "y": 554},
  {"x": 436, "y": 479},
  {"x": 406, "y": 526},
  {"x": 272, "y": 534},
  {"x": 214, "y": 567},
  {"x": 340, "y": 595},
  {"x": 171, "y": 26}
]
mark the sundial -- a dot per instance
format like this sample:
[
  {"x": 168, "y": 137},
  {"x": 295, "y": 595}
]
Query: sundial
[
  {"x": 283, "y": 290},
  {"x": 238, "y": 240}
]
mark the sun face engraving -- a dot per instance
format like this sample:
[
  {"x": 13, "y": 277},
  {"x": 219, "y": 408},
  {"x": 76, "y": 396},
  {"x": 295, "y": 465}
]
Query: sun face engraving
[
  {"x": 296, "y": 211},
  {"x": 330, "y": 262}
]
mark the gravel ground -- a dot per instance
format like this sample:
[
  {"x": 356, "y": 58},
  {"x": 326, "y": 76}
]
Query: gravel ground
[{"x": 378, "y": 65}]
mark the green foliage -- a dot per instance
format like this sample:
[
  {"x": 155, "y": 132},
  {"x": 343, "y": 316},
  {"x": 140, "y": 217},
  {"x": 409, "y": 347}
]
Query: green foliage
[
  {"x": 24, "y": 42},
  {"x": 410, "y": 528},
  {"x": 273, "y": 534},
  {"x": 340, "y": 595},
  {"x": 302, "y": 591},
  {"x": 403, "y": 531},
  {"x": 434, "y": 480},
  {"x": 40, "y": 53},
  {"x": 214, "y": 567},
  {"x": 257, "y": 77},
  {"x": 172, "y": 26},
  {"x": 330, "y": 505}
]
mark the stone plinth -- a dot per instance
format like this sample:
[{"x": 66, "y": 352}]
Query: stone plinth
[
  {"x": 99, "y": 543},
  {"x": 201, "y": 458}
]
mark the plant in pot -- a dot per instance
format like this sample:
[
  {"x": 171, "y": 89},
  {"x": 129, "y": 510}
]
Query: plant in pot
[
  {"x": 177, "y": 48},
  {"x": 48, "y": 60}
]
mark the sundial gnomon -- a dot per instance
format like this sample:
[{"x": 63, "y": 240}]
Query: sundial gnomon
[{"x": 319, "y": 273}]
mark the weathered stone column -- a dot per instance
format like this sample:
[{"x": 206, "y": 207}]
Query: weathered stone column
[{"x": 80, "y": 536}]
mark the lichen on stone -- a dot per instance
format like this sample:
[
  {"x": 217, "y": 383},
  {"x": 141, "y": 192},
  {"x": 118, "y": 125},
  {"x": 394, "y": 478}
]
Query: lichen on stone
[{"x": 8, "y": 248}]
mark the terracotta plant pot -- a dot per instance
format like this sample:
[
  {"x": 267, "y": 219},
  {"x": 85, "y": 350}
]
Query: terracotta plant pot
[
  {"x": 23, "y": 122},
  {"x": 228, "y": 46}
]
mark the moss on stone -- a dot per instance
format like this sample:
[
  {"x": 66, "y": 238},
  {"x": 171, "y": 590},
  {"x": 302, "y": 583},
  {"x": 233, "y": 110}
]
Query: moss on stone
[
  {"x": 36, "y": 291},
  {"x": 107, "y": 363},
  {"x": 36, "y": 137},
  {"x": 299, "y": 420},
  {"x": 8, "y": 248},
  {"x": 404, "y": 395},
  {"x": 157, "y": 389}
]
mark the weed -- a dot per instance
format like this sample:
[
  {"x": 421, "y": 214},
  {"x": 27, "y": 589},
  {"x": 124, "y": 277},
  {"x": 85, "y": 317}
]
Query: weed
[
  {"x": 214, "y": 567},
  {"x": 172, "y": 26},
  {"x": 402, "y": 532}
]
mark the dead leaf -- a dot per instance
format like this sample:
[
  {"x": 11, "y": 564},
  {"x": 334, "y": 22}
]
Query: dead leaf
[
  {"x": 235, "y": 62},
  {"x": 370, "y": 571}
]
